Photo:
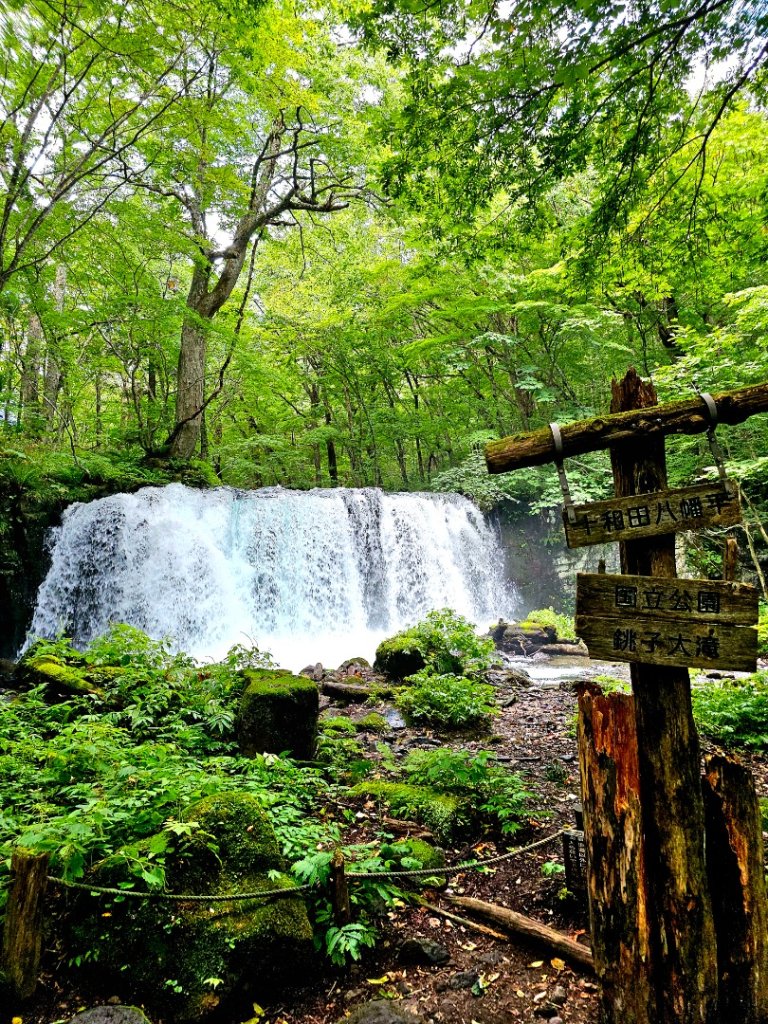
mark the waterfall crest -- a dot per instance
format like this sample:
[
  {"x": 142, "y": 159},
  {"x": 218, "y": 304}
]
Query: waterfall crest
[{"x": 318, "y": 575}]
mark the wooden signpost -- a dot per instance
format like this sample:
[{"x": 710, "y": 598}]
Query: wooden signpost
[
  {"x": 668, "y": 949},
  {"x": 687, "y": 508},
  {"x": 697, "y": 623}
]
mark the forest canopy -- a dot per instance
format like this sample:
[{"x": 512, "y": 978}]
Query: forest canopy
[{"x": 325, "y": 244}]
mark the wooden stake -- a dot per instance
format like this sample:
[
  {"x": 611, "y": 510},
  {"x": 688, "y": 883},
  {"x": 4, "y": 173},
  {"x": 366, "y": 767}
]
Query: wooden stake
[
  {"x": 737, "y": 885},
  {"x": 730, "y": 559},
  {"x": 23, "y": 931},
  {"x": 613, "y": 834},
  {"x": 342, "y": 911},
  {"x": 680, "y": 925}
]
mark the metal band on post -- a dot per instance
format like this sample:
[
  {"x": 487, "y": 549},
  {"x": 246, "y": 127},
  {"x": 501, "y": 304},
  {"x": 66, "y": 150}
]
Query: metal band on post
[
  {"x": 557, "y": 437},
  {"x": 714, "y": 444}
]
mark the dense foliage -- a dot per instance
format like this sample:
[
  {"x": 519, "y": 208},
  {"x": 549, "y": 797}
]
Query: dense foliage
[
  {"x": 735, "y": 713},
  {"x": 309, "y": 254}
]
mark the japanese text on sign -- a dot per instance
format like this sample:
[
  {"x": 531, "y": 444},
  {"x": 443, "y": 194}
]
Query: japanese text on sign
[{"x": 689, "y": 508}]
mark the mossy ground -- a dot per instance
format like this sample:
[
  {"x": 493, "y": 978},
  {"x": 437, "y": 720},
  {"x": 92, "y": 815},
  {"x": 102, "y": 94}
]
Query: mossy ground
[{"x": 445, "y": 815}]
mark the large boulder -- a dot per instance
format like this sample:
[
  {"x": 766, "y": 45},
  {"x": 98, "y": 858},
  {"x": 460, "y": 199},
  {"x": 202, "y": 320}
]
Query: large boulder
[
  {"x": 278, "y": 713},
  {"x": 399, "y": 656},
  {"x": 110, "y": 1015},
  {"x": 186, "y": 960}
]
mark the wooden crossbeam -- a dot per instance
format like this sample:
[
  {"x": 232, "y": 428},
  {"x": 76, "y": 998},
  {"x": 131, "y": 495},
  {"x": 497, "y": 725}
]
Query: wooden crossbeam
[{"x": 685, "y": 417}]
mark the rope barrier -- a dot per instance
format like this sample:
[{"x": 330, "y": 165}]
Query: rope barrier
[
  {"x": 179, "y": 896},
  {"x": 451, "y": 869},
  {"x": 454, "y": 869}
]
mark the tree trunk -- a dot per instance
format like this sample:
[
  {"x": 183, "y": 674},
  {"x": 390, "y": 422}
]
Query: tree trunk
[
  {"x": 53, "y": 371},
  {"x": 737, "y": 884},
  {"x": 682, "y": 937},
  {"x": 190, "y": 393},
  {"x": 30, "y": 374},
  {"x": 613, "y": 833},
  {"x": 23, "y": 931}
]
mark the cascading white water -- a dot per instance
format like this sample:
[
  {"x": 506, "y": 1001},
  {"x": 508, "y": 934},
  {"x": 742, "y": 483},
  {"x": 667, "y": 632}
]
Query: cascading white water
[{"x": 310, "y": 576}]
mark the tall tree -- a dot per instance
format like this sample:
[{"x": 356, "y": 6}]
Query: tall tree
[{"x": 517, "y": 94}]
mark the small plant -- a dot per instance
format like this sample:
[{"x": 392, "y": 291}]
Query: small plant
[
  {"x": 551, "y": 869},
  {"x": 610, "y": 684},
  {"x": 446, "y": 700},
  {"x": 342, "y": 755},
  {"x": 369, "y": 898},
  {"x": 555, "y": 771}
]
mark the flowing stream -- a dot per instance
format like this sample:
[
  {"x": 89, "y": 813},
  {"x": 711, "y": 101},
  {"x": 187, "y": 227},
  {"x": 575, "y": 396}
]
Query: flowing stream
[{"x": 310, "y": 576}]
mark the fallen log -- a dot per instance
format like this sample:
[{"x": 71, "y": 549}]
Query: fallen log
[
  {"x": 482, "y": 928},
  {"x": 519, "y": 924},
  {"x": 351, "y": 692}
]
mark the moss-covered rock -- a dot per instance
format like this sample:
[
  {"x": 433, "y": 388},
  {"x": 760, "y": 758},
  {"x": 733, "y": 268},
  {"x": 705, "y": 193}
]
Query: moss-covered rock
[
  {"x": 58, "y": 676},
  {"x": 278, "y": 712},
  {"x": 353, "y": 663},
  {"x": 373, "y": 723},
  {"x": 446, "y": 815},
  {"x": 404, "y": 853},
  {"x": 399, "y": 656},
  {"x": 337, "y": 724},
  {"x": 185, "y": 960}
]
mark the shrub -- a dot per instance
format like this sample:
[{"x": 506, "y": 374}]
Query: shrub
[
  {"x": 443, "y": 641},
  {"x": 498, "y": 795},
  {"x": 450, "y": 701},
  {"x": 734, "y": 713},
  {"x": 563, "y": 625}
]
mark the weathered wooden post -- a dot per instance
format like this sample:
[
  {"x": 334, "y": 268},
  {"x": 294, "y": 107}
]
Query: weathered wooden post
[
  {"x": 680, "y": 926},
  {"x": 613, "y": 834},
  {"x": 342, "y": 910},
  {"x": 23, "y": 930},
  {"x": 653, "y": 928}
]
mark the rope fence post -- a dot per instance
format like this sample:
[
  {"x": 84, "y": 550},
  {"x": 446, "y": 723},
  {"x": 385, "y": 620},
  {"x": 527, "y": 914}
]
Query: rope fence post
[
  {"x": 23, "y": 931},
  {"x": 342, "y": 911}
]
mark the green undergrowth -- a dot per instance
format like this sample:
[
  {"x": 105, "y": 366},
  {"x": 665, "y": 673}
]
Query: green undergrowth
[
  {"x": 106, "y": 769},
  {"x": 446, "y": 701},
  {"x": 734, "y": 712},
  {"x": 87, "y": 775},
  {"x": 451, "y": 792}
]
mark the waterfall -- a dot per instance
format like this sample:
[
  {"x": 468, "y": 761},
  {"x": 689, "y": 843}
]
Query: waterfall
[{"x": 318, "y": 575}]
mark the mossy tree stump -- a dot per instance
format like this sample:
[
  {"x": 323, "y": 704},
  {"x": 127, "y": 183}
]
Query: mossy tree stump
[{"x": 278, "y": 713}]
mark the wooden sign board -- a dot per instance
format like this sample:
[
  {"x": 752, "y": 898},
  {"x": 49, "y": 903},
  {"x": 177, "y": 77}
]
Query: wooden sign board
[
  {"x": 661, "y": 621},
  {"x": 648, "y": 515}
]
